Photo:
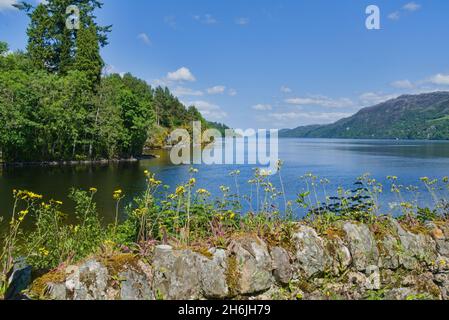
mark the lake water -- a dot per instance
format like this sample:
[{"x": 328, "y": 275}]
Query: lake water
[{"x": 340, "y": 161}]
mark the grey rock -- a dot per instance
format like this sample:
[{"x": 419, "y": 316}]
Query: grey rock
[
  {"x": 311, "y": 257},
  {"x": 175, "y": 274},
  {"x": 254, "y": 265},
  {"x": 416, "y": 248},
  {"x": 283, "y": 271},
  {"x": 213, "y": 275},
  {"x": 57, "y": 291},
  {"x": 88, "y": 282},
  {"x": 339, "y": 254},
  {"x": 135, "y": 286},
  {"x": 18, "y": 281},
  {"x": 389, "y": 250},
  {"x": 443, "y": 247},
  {"x": 399, "y": 294},
  {"x": 442, "y": 281},
  {"x": 362, "y": 245}
]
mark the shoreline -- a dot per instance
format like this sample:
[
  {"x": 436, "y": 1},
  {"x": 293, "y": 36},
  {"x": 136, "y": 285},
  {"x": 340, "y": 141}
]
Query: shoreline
[{"x": 74, "y": 162}]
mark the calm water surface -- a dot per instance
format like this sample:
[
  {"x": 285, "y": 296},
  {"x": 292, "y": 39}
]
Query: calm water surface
[{"x": 340, "y": 161}]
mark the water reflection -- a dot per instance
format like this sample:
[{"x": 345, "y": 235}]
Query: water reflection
[{"x": 341, "y": 161}]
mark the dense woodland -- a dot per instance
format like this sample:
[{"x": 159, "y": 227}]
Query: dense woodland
[{"x": 57, "y": 104}]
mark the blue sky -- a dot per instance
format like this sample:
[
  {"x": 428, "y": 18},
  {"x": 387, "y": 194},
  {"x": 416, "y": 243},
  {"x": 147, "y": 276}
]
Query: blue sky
[{"x": 273, "y": 64}]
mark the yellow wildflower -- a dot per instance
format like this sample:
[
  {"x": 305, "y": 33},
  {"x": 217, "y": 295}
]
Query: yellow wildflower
[
  {"x": 93, "y": 190},
  {"x": 203, "y": 192},
  {"x": 44, "y": 252},
  {"x": 180, "y": 190},
  {"x": 117, "y": 194}
]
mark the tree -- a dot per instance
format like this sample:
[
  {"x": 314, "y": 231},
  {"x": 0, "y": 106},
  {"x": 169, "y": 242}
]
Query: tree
[
  {"x": 3, "y": 47},
  {"x": 88, "y": 58},
  {"x": 40, "y": 48},
  {"x": 51, "y": 45}
]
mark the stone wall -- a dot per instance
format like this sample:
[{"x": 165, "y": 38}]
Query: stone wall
[{"x": 351, "y": 261}]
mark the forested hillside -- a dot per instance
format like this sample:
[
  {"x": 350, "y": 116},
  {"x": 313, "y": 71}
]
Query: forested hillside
[
  {"x": 423, "y": 116},
  {"x": 56, "y": 104}
]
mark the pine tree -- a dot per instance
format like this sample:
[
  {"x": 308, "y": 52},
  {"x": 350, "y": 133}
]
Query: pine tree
[
  {"x": 51, "y": 45},
  {"x": 40, "y": 48},
  {"x": 88, "y": 58}
]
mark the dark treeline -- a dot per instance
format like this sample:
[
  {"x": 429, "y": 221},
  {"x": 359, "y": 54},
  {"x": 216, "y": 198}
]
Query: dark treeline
[{"x": 55, "y": 104}]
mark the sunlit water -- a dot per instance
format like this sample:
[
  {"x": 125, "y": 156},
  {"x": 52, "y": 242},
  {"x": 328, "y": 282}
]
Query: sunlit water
[{"x": 340, "y": 161}]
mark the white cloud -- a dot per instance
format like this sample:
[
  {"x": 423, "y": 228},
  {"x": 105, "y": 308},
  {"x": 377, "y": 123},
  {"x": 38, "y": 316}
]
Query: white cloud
[
  {"x": 216, "y": 90},
  {"x": 440, "y": 79},
  {"x": 403, "y": 84},
  {"x": 295, "y": 119},
  {"x": 285, "y": 89},
  {"x": 394, "y": 15},
  {"x": 182, "y": 74},
  {"x": 242, "y": 21},
  {"x": 411, "y": 6},
  {"x": 322, "y": 101},
  {"x": 373, "y": 98},
  {"x": 262, "y": 107},
  {"x": 208, "y": 110},
  {"x": 232, "y": 92},
  {"x": 7, "y": 5},
  {"x": 183, "y": 92},
  {"x": 144, "y": 38},
  {"x": 205, "y": 19}
]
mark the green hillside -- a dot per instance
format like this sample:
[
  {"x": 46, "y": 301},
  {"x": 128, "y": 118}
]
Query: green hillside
[{"x": 424, "y": 116}]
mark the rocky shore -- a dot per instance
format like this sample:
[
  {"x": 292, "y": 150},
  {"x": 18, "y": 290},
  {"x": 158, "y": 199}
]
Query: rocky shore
[{"x": 351, "y": 260}]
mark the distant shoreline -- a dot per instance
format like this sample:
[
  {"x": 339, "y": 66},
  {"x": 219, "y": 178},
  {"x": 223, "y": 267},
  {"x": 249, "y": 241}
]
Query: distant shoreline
[{"x": 367, "y": 139}]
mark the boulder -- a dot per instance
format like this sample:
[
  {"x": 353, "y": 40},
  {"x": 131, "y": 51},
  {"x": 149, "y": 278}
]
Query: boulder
[
  {"x": 134, "y": 286},
  {"x": 415, "y": 248},
  {"x": 213, "y": 275},
  {"x": 88, "y": 282},
  {"x": 175, "y": 274},
  {"x": 362, "y": 245},
  {"x": 19, "y": 280},
  {"x": 252, "y": 264},
  {"x": 339, "y": 254},
  {"x": 311, "y": 258},
  {"x": 283, "y": 271},
  {"x": 389, "y": 250}
]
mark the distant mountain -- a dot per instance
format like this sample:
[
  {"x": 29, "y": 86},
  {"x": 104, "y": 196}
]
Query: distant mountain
[{"x": 424, "y": 116}]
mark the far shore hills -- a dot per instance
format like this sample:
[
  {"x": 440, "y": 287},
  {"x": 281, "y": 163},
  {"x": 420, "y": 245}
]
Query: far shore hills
[{"x": 408, "y": 117}]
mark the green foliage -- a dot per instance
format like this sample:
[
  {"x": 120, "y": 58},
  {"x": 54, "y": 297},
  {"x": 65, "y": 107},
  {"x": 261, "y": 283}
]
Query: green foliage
[
  {"x": 53, "y": 241},
  {"x": 3, "y": 47},
  {"x": 88, "y": 57},
  {"x": 56, "y": 106},
  {"x": 55, "y": 48},
  {"x": 51, "y": 117}
]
